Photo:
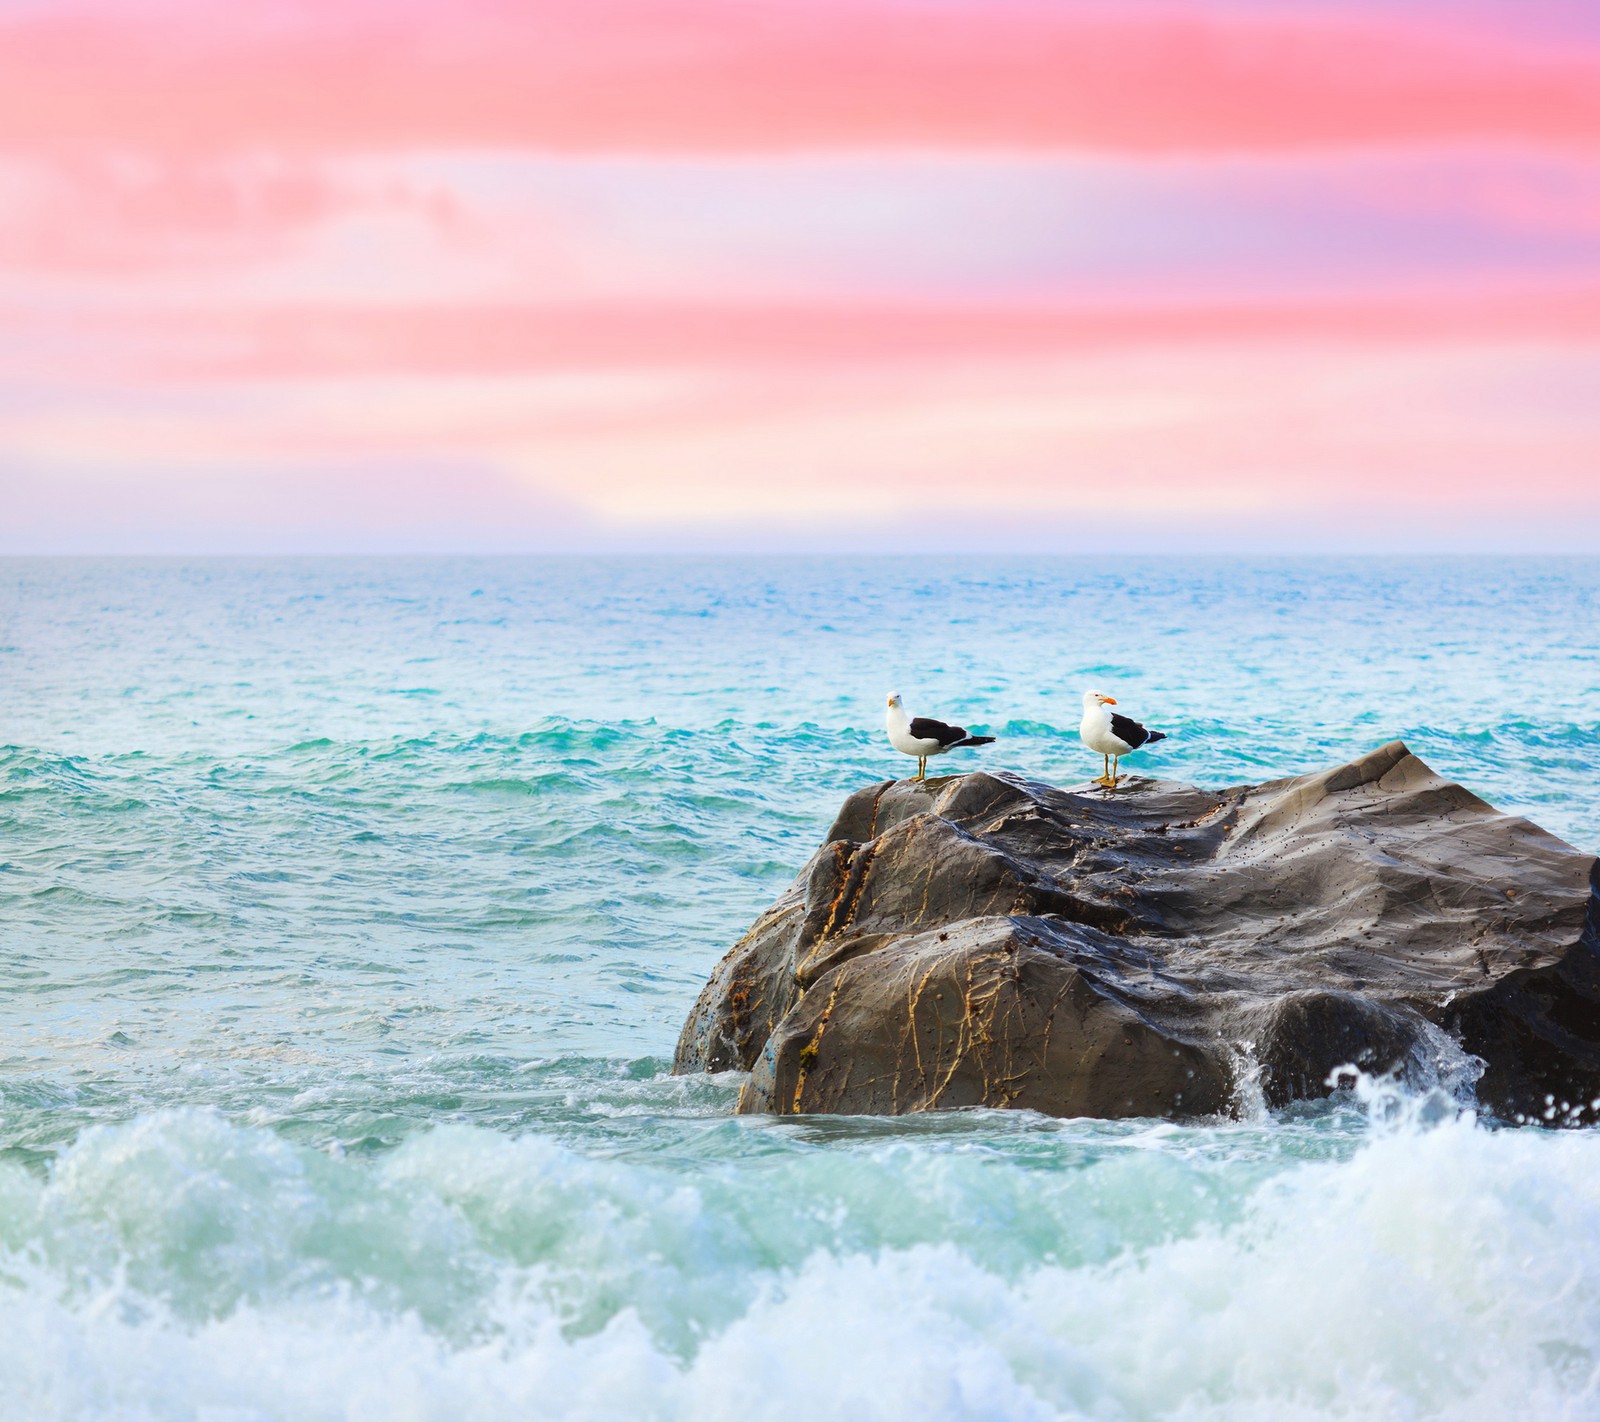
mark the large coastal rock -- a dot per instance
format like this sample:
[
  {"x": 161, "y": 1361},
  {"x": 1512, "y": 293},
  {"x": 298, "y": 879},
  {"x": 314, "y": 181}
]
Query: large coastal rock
[{"x": 1165, "y": 951}]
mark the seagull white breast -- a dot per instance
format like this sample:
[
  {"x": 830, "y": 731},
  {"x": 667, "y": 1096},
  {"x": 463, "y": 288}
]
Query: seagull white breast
[{"x": 1097, "y": 734}]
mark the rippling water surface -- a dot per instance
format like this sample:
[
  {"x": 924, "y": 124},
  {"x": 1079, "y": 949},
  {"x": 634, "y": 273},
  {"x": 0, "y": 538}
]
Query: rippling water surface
[{"x": 349, "y": 911}]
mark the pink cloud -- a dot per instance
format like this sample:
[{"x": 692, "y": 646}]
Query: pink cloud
[
  {"x": 1510, "y": 193},
  {"x": 124, "y": 215},
  {"x": 1166, "y": 438},
  {"x": 307, "y": 342},
  {"x": 740, "y": 75}
]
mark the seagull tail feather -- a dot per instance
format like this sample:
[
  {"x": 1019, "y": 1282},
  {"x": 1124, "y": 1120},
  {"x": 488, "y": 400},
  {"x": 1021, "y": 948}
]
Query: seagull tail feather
[
  {"x": 977, "y": 741},
  {"x": 1156, "y": 736}
]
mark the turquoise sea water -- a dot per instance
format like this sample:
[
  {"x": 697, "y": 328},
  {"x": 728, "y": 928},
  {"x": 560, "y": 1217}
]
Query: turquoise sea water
[{"x": 349, "y": 911}]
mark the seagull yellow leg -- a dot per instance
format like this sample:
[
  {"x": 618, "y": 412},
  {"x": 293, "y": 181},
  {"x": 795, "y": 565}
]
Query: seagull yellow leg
[{"x": 1116, "y": 765}]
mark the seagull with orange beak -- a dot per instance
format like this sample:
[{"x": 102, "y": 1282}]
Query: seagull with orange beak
[
  {"x": 922, "y": 736},
  {"x": 1112, "y": 735}
]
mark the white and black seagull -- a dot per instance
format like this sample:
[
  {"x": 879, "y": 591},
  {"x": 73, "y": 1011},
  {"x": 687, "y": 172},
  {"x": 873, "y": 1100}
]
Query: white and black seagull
[
  {"x": 922, "y": 737},
  {"x": 1112, "y": 735}
]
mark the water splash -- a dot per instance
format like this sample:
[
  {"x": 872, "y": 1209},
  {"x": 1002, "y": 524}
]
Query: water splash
[{"x": 1387, "y": 1260}]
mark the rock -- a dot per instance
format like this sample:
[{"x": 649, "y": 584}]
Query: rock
[
  {"x": 1304, "y": 1038},
  {"x": 985, "y": 940},
  {"x": 997, "y": 1011}
]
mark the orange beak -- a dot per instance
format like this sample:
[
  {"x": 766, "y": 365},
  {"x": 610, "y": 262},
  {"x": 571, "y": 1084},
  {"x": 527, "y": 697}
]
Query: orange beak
[{"x": 1108, "y": 700}]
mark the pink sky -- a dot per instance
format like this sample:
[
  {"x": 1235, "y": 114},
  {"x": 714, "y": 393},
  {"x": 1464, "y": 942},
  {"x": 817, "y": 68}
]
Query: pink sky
[{"x": 819, "y": 273}]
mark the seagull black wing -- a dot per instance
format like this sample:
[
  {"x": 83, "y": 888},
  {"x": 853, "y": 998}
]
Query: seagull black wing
[
  {"x": 1132, "y": 732},
  {"x": 925, "y": 728}
]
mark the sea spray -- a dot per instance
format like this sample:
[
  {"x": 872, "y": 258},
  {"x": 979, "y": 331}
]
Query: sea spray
[{"x": 1376, "y": 1257}]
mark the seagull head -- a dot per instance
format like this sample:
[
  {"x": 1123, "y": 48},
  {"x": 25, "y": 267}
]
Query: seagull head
[
  {"x": 1098, "y": 698},
  {"x": 894, "y": 698}
]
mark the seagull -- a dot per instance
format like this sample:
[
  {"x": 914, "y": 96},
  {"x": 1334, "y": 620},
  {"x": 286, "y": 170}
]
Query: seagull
[
  {"x": 1112, "y": 735},
  {"x": 922, "y": 737}
]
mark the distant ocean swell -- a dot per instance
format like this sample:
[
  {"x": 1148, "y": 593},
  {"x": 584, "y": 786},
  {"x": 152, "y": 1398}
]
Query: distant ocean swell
[
  {"x": 746, "y": 760},
  {"x": 183, "y": 1266}
]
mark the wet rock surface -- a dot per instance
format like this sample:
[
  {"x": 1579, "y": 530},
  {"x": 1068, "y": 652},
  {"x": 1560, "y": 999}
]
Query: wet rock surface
[{"x": 1165, "y": 951}]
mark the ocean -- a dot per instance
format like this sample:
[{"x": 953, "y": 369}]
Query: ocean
[{"x": 349, "y": 911}]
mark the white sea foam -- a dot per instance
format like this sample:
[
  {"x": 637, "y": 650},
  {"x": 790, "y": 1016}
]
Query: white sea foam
[{"x": 182, "y": 1267}]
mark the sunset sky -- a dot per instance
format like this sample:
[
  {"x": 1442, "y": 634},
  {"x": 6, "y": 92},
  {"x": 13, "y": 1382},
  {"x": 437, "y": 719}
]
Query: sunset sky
[{"x": 484, "y": 275}]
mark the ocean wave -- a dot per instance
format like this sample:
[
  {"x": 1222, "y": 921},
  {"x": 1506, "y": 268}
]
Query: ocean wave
[{"x": 180, "y": 1266}]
